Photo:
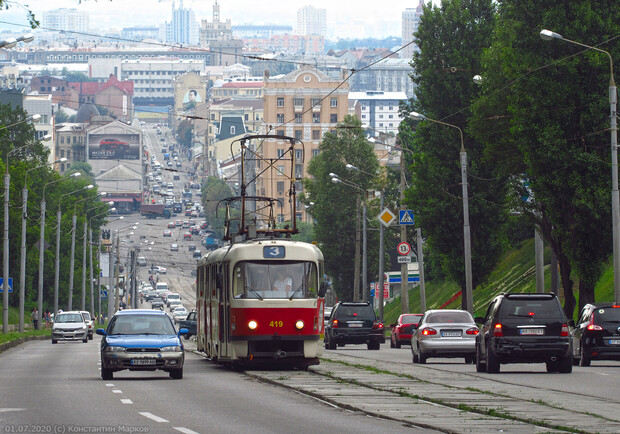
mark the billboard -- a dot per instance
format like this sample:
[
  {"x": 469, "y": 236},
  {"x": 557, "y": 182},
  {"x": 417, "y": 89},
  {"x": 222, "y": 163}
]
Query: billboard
[{"x": 114, "y": 146}]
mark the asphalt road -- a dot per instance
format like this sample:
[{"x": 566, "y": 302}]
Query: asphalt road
[{"x": 57, "y": 389}]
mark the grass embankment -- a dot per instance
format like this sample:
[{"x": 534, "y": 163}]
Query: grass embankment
[
  {"x": 13, "y": 336},
  {"x": 515, "y": 272}
]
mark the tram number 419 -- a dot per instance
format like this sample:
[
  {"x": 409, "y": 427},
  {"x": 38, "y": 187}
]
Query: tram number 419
[{"x": 276, "y": 324}]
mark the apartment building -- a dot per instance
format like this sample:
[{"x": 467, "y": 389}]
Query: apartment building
[
  {"x": 302, "y": 104},
  {"x": 410, "y": 22},
  {"x": 70, "y": 144},
  {"x": 379, "y": 110}
]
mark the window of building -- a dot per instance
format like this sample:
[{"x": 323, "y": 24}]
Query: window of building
[
  {"x": 315, "y": 102},
  {"x": 315, "y": 152},
  {"x": 391, "y": 116},
  {"x": 316, "y": 134},
  {"x": 62, "y": 167},
  {"x": 316, "y": 118},
  {"x": 280, "y": 218},
  {"x": 280, "y": 153},
  {"x": 299, "y": 171},
  {"x": 280, "y": 102},
  {"x": 298, "y": 118},
  {"x": 380, "y": 116},
  {"x": 333, "y": 102},
  {"x": 380, "y": 125},
  {"x": 298, "y": 134},
  {"x": 280, "y": 187},
  {"x": 281, "y": 170},
  {"x": 62, "y": 153},
  {"x": 232, "y": 130},
  {"x": 68, "y": 154},
  {"x": 280, "y": 118},
  {"x": 363, "y": 116},
  {"x": 299, "y": 155},
  {"x": 298, "y": 216},
  {"x": 246, "y": 117},
  {"x": 333, "y": 118},
  {"x": 280, "y": 132},
  {"x": 298, "y": 102},
  {"x": 299, "y": 187},
  {"x": 62, "y": 140}
]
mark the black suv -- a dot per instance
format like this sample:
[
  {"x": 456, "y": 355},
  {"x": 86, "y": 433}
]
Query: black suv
[
  {"x": 524, "y": 328},
  {"x": 597, "y": 334},
  {"x": 353, "y": 323}
]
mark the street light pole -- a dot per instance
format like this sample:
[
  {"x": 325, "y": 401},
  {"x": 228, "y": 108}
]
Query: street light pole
[
  {"x": 615, "y": 198},
  {"x": 73, "y": 231},
  {"x": 469, "y": 292}
]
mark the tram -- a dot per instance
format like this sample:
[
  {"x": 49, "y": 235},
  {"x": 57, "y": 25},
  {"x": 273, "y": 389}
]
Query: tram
[{"x": 260, "y": 299}]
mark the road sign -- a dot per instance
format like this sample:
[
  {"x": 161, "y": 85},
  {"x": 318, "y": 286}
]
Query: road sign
[
  {"x": 386, "y": 217},
  {"x": 404, "y": 259},
  {"x": 403, "y": 248},
  {"x": 10, "y": 284},
  {"x": 386, "y": 290},
  {"x": 103, "y": 294},
  {"x": 405, "y": 217}
]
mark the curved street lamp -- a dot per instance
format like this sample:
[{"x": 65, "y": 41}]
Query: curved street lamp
[
  {"x": 90, "y": 242},
  {"x": 73, "y": 230},
  {"x": 469, "y": 291},
  {"x": 547, "y": 35},
  {"x": 22, "y": 265}
]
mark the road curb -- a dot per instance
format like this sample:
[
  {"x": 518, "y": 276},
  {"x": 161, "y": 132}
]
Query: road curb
[{"x": 8, "y": 345}]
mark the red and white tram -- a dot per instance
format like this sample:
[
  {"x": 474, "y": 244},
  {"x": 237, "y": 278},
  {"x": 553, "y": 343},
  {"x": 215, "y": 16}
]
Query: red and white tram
[{"x": 261, "y": 301}]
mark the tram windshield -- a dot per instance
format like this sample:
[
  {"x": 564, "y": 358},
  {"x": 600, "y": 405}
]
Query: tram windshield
[{"x": 270, "y": 279}]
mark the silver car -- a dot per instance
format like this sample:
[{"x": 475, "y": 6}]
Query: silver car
[
  {"x": 69, "y": 326},
  {"x": 445, "y": 333}
]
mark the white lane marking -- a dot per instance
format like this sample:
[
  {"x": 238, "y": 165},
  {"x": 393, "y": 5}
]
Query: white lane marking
[
  {"x": 117, "y": 391},
  {"x": 126, "y": 401},
  {"x": 109, "y": 385},
  {"x": 7, "y": 409},
  {"x": 152, "y": 416},
  {"x": 184, "y": 430},
  {"x": 601, "y": 373}
]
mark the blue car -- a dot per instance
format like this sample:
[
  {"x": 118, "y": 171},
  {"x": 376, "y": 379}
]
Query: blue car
[{"x": 141, "y": 340}]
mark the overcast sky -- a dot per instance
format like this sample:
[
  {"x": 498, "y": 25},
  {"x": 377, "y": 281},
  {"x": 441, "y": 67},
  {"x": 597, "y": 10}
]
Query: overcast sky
[{"x": 345, "y": 18}]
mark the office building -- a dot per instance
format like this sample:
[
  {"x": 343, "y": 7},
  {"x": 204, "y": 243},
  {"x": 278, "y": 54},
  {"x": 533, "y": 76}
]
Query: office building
[
  {"x": 411, "y": 20},
  {"x": 312, "y": 21}
]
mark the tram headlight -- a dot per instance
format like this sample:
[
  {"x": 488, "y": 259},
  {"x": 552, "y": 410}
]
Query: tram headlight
[
  {"x": 252, "y": 325},
  {"x": 299, "y": 325}
]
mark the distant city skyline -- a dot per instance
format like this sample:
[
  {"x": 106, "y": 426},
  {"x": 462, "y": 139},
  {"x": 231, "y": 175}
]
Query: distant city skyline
[{"x": 359, "y": 19}]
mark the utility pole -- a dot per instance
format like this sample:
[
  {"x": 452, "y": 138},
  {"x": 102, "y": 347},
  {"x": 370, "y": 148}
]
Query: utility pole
[
  {"x": 356, "y": 273},
  {"x": 116, "y": 275},
  {"x": 83, "y": 305},
  {"x": 381, "y": 254},
  {"x": 421, "y": 270},
  {"x": 404, "y": 270}
]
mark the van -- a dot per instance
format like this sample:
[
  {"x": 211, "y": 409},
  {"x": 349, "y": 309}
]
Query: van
[
  {"x": 161, "y": 286},
  {"x": 141, "y": 261}
]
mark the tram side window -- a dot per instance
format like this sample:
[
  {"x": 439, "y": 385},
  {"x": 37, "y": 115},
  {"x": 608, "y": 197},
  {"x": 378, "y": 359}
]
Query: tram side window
[{"x": 238, "y": 286}]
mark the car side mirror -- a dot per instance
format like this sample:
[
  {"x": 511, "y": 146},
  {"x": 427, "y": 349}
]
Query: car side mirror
[
  {"x": 183, "y": 331},
  {"x": 393, "y": 325},
  {"x": 100, "y": 332},
  {"x": 479, "y": 319},
  {"x": 323, "y": 289}
]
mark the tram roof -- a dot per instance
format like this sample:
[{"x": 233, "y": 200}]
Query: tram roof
[{"x": 252, "y": 250}]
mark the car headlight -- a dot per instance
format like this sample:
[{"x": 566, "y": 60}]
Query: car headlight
[
  {"x": 113, "y": 349},
  {"x": 171, "y": 348}
]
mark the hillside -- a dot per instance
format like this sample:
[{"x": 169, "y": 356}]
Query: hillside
[{"x": 514, "y": 273}]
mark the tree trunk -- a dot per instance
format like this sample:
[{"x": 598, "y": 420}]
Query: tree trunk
[
  {"x": 586, "y": 292},
  {"x": 567, "y": 286}
]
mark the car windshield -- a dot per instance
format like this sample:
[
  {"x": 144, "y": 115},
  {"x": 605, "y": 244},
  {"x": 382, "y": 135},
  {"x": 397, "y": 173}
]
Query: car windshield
[
  {"x": 141, "y": 325},
  {"x": 355, "y": 312},
  {"x": 411, "y": 319},
  {"x": 530, "y": 308},
  {"x": 271, "y": 279},
  {"x": 69, "y": 317},
  {"x": 86, "y": 316},
  {"x": 449, "y": 317}
]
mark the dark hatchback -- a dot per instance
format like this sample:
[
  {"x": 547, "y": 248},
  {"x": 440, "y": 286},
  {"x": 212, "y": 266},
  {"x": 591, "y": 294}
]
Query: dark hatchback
[
  {"x": 353, "y": 323},
  {"x": 597, "y": 334},
  {"x": 403, "y": 328},
  {"x": 524, "y": 328},
  {"x": 141, "y": 340}
]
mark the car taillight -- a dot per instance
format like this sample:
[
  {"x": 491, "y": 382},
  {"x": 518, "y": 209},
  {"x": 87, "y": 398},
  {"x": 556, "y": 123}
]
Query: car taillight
[
  {"x": 335, "y": 324},
  {"x": 377, "y": 325},
  {"x": 564, "y": 332},
  {"x": 472, "y": 331},
  {"x": 594, "y": 327},
  {"x": 497, "y": 330},
  {"x": 429, "y": 331}
]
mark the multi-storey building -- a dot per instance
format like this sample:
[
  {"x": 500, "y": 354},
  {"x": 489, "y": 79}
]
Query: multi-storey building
[
  {"x": 311, "y": 21},
  {"x": 304, "y": 104},
  {"x": 42, "y": 105},
  {"x": 387, "y": 75},
  {"x": 69, "y": 20},
  {"x": 291, "y": 44},
  {"x": 70, "y": 144},
  {"x": 410, "y": 22},
  {"x": 237, "y": 89},
  {"x": 183, "y": 29},
  {"x": 379, "y": 110},
  {"x": 140, "y": 33},
  {"x": 153, "y": 77},
  {"x": 212, "y": 31}
]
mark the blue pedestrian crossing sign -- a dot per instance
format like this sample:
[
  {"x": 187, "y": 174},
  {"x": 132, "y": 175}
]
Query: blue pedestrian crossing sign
[
  {"x": 405, "y": 217},
  {"x": 10, "y": 284},
  {"x": 103, "y": 294}
]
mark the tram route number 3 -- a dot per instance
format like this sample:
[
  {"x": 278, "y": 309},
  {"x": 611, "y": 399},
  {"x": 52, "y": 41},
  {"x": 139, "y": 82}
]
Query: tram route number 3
[{"x": 276, "y": 324}]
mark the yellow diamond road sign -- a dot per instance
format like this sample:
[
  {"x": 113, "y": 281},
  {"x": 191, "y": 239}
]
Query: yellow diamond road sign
[{"x": 386, "y": 217}]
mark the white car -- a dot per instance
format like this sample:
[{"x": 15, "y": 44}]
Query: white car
[
  {"x": 69, "y": 326},
  {"x": 174, "y": 304},
  {"x": 179, "y": 314}
]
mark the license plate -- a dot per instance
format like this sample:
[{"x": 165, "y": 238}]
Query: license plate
[
  {"x": 614, "y": 342},
  {"x": 451, "y": 334},
  {"x": 355, "y": 324},
  {"x": 531, "y": 331},
  {"x": 143, "y": 361}
]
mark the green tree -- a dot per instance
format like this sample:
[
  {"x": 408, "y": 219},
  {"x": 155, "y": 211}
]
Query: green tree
[
  {"x": 543, "y": 117},
  {"x": 84, "y": 168},
  {"x": 334, "y": 206},
  {"x": 213, "y": 191},
  {"x": 451, "y": 39},
  {"x": 184, "y": 132}
]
